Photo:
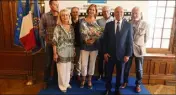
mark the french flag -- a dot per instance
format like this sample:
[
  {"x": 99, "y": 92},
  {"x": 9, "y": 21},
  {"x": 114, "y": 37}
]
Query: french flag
[{"x": 27, "y": 37}]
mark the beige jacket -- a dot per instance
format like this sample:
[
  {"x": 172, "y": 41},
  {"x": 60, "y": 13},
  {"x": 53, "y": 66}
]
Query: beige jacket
[{"x": 140, "y": 37}]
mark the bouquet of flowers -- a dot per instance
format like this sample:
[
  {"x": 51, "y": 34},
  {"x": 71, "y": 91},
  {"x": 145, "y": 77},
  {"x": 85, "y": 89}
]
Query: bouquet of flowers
[{"x": 91, "y": 33}]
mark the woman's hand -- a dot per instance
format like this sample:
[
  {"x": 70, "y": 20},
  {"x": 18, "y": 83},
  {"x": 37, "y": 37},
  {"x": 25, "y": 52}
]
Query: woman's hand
[
  {"x": 55, "y": 57},
  {"x": 90, "y": 41},
  {"x": 92, "y": 31},
  {"x": 97, "y": 34}
]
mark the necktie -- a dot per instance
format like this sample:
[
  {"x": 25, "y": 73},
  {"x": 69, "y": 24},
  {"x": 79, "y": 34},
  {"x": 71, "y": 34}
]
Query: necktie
[{"x": 117, "y": 29}]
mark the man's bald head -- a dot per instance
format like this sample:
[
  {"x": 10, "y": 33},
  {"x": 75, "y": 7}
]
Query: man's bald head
[
  {"x": 105, "y": 8},
  {"x": 119, "y": 8},
  {"x": 136, "y": 9},
  {"x": 118, "y": 13},
  {"x": 136, "y": 13},
  {"x": 106, "y": 12}
]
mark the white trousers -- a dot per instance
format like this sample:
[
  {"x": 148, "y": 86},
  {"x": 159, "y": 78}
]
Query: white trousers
[
  {"x": 84, "y": 62},
  {"x": 63, "y": 70}
]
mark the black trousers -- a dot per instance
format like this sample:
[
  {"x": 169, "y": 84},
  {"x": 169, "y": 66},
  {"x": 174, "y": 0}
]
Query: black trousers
[
  {"x": 112, "y": 61},
  {"x": 77, "y": 65},
  {"x": 101, "y": 65},
  {"x": 139, "y": 69},
  {"x": 48, "y": 65}
]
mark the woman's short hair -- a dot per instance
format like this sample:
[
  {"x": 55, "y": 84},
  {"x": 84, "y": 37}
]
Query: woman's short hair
[
  {"x": 92, "y": 5},
  {"x": 63, "y": 11}
]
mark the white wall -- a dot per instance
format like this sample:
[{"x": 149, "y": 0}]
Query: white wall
[{"x": 127, "y": 5}]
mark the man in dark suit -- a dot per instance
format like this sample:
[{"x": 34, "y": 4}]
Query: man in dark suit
[
  {"x": 76, "y": 24},
  {"x": 117, "y": 47}
]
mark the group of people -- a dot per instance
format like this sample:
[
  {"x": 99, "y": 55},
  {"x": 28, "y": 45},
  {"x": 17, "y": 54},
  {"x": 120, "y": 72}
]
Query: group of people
[{"x": 73, "y": 45}]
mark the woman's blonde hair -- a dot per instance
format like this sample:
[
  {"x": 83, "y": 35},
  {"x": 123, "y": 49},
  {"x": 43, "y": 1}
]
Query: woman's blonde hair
[{"x": 63, "y": 11}]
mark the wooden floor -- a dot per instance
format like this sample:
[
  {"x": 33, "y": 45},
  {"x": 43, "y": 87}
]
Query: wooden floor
[{"x": 17, "y": 86}]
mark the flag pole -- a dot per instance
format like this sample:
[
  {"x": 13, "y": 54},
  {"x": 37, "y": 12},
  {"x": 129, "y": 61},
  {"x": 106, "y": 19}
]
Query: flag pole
[{"x": 31, "y": 78}]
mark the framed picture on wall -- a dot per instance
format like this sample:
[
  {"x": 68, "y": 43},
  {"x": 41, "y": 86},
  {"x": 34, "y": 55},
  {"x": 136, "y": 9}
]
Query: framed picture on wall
[{"x": 97, "y": 1}]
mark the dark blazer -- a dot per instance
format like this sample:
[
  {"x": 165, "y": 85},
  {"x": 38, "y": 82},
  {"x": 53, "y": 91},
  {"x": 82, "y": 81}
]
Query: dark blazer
[
  {"x": 77, "y": 32},
  {"x": 120, "y": 44}
]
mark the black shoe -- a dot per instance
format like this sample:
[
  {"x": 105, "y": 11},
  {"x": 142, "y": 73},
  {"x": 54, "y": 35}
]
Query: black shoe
[
  {"x": 117, "y": 92},
  {"x": 107, "y": 92},
  {"x": 45, "y": 85},
  {"x": 78, "y": 78}
]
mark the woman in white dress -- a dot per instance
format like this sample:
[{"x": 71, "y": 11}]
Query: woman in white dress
[{"x": 63, "y": 49}]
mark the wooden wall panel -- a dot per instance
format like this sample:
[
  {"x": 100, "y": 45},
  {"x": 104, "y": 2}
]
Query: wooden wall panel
[
  {"x": 152, "y": 68},
  {"x": 162, "y": 68},
  {"x": 1, "y": 28},
  {"x": 13, "y": 19},
  {"x": 10, "y": 61},
  {"x": 146, "y": 66},
  {"x": 171, "y": 68},
  {"x": 7, "y": 23},
  {"x": 157, "y": 69},
  {"x": 39, "y": 61}
]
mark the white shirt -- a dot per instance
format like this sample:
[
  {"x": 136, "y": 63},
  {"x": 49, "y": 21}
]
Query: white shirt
[{"x": 120, "y": 25}]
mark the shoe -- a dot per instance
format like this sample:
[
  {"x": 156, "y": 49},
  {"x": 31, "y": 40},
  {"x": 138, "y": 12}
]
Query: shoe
[
  {"x": 99, "y": 77},
  {"x": 107, "y": 92},
  {"x": 69, "y": 87},
  {"x": 45, "y": 85},
  {"x": 54, "y": 80},
  {"x": 78, "y": 78},
  {"x": 90, "y": 85},
  {"x": 71, "y": 77},
  {"x": 123, "y": 85},
  {"x": 117, "y": 92},
  {"x": 138, "y": 88},
  {"x": 82, "y": 84},
  {"x": 64, "y": 91}
]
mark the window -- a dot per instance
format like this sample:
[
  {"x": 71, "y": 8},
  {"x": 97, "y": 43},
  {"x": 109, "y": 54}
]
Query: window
[{"x": 160, "y": 18}]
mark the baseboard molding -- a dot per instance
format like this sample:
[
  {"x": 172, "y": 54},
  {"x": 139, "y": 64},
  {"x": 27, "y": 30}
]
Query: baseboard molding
[{"x": 171, "y": 82}]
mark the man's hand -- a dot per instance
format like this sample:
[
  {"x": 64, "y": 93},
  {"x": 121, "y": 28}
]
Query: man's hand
[
  {"x": 106, "y": 57},
  {"x": 126, "y": 58},
  {"x": 74, "y": 52},
  {"x": 55, "y": 57}
]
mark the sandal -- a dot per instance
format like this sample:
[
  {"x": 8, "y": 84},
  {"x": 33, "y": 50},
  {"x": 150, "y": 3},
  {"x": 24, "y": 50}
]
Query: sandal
[
  {"x": 89, "y": 84},
  {"x": 82, "y": 84}
]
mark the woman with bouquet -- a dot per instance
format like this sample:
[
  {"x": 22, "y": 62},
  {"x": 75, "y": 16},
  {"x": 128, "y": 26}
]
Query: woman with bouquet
[{"x": 90, "y": 32}]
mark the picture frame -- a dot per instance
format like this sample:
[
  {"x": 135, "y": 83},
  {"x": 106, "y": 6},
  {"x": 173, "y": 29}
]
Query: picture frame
[{"x": 97, "y": 1}]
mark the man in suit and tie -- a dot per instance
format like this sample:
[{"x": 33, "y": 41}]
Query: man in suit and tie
[
  {"x": 117, "y": 47},
  {"x": 140, "y": 36}
]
